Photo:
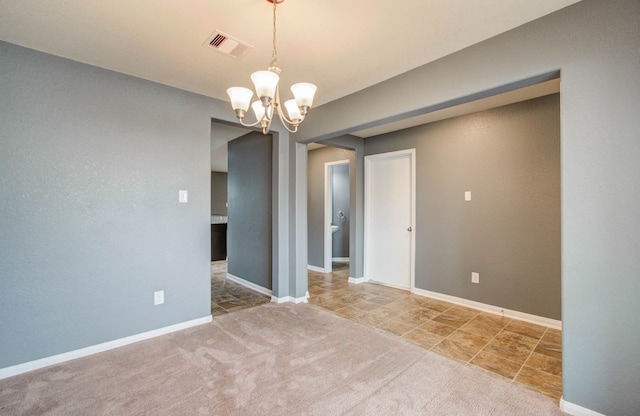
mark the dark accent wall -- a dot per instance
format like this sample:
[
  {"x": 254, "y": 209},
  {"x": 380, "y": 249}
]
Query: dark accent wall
[
  {"x": 340, "y": 204},
  {"x": 91, "y": 162},
  {"x": 249, "y": 233},
  {"x": 315, "y": 194},
  {"x": 218, "y": 193},
  {"x": 509, "y": 233}
]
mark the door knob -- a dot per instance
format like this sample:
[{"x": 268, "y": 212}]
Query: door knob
[{"x": 409, "y": 229}]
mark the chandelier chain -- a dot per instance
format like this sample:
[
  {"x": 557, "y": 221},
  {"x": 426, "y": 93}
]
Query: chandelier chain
[{"x": 274, "y": 55}]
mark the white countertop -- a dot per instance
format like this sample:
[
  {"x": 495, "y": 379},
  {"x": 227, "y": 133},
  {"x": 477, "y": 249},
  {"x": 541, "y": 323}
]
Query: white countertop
[{"x": 218, "y": 219}]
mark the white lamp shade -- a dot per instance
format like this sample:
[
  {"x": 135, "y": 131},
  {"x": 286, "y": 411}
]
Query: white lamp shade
[
  {"x": 303, "y": 93},
  {"x": 240, "y": 97},
  {"x": 265, "y": 83},
  {"x": 258, "y": 109},
  {"x": 293, "y": 110}
]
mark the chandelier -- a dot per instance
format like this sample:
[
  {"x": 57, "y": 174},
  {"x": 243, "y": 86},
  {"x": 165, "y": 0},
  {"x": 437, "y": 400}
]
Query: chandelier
[{"x": 268, "y": 93}]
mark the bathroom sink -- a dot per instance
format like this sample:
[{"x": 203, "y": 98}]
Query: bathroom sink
[{"x": 334, "y": 228}]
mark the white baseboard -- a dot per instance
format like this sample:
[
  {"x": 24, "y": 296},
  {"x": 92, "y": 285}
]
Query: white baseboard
[
  {"x": 291, "y": 299},
  {"x": 250, "y": 285},
  {"x": 316, "y": 269},
  {"x": 340, "y": 259},
  {"x": 358, "y": 280},
  {"x": 375, "y": 282},
  {"x": 94, "y": 349},
  {"x": 575, "y": 410},
  {"x": 522, "y": 316}
]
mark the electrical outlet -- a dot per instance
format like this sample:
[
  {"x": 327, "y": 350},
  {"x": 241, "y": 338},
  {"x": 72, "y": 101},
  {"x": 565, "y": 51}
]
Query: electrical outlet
[
  {"x": 475, "y": 277},
  {"x": 158, "y": 297},
  {"x": 467, "y": 195}
]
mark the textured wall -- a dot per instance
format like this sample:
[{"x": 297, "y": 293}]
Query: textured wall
[
  {"x": 91, "y": 162},
  {"x": 595, "y": 45},
  {"x": 218, "y": 193},
  {"x": 509, "y": 158},
  {"x": 315, "y": 192},
  {"x": 250, "y": 209}
]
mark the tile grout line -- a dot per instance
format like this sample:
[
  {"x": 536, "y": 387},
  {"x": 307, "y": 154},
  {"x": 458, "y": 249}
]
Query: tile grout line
[
  {"x": 530, "y": 354},
  {"x": 489, "y": 342},
  {"x": 456, "y": 329}
]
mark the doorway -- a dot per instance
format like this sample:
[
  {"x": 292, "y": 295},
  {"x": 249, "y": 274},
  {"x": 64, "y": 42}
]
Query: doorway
[
  {"x": 241, "y": 204},
  {"x": 323, "y": 162},
  {"x": 389, "y": 250},
  {"x": 336, "y": 214}
]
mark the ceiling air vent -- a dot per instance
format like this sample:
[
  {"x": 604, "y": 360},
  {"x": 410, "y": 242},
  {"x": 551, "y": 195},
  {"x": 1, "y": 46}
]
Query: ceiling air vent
[{"x": 226, "y": 44}]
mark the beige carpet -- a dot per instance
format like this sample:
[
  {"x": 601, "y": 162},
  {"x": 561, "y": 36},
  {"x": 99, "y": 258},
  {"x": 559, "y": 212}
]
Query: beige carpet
[{"x": 269, "y": 360}]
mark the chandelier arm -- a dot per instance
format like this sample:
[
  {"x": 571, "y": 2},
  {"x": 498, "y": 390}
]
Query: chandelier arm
[
  {"x": 266, "y": 116},
  {"x": 282, "y": 116},
  {"x": 250, "y": 124},
  {"x": 285, "y": 120},
  {"x": 293, "y": 130},
  {"x": 267, "y": 126}
]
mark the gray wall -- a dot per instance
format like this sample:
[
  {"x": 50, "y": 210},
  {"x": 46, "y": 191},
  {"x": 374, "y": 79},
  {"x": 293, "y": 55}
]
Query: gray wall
[
  {"x": 315, "y": 191},
  {"x": 249, "y": 236},
  {"x": 47, "y": 100},
  {"x": 91, "y": 162},
  {"x": 509, "y": 158},
  {"x": 595, "y": 45},
  {"x": 340, "y": 203},
  {"x": 218, "y": 193},
  {"x": 96, "y": 228}
]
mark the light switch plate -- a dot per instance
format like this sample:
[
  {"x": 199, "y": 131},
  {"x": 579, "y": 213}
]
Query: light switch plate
[
  {"x": 183, "y": 196},
  {"x": 467, "y": 196}
]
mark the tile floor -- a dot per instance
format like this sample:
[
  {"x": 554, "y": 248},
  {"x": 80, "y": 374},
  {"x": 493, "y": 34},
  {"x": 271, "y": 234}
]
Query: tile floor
[
  {"x": 519, "y": 351},
  {"x": 228, "y": 296}
]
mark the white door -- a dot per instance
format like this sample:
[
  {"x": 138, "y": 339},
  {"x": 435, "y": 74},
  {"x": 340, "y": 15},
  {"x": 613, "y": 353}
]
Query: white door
[{"x": 389, "y": 218}]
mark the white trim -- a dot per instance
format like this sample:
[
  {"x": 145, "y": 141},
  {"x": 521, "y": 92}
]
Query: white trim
[
  {"x": 341, "y": 259},
  {"x": 522, "y": 316},
  {"x": 317, "y": 269},
  {"x": 250, "y": 285},
  {"x": 328, "y": 202},
  {"x": 358, "y": 280},
  {"x": 367, "y": 204},
  {"x": 375, "y": 282},
  {"x": 94, "y": 349},
  {"x": 291, "y": 299},
  {"x": 575, "y": 410}
]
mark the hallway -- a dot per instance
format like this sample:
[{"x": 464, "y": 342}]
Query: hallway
[
  {"x": 228, "y": 296},
  {"x": 522, "y": 352}
]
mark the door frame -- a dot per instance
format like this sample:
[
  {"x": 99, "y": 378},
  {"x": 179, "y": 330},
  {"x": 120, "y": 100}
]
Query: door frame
[
  {"x": 368, "y": 166},
  {"x": 328, "y": 203}
]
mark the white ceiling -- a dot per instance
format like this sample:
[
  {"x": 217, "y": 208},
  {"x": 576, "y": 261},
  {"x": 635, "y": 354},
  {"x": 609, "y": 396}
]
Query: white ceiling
[{"x": 341, "y": 46}]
